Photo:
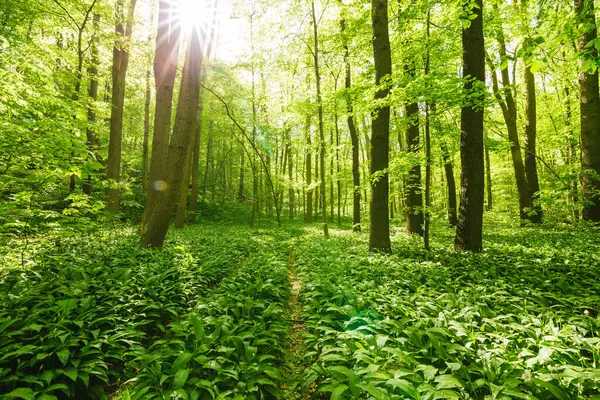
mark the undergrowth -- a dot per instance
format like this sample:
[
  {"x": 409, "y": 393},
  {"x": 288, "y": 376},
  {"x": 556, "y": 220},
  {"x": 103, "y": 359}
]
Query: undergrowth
[
  {"x": 210, "y": 316},
  {"x": 519, "y": 320}
]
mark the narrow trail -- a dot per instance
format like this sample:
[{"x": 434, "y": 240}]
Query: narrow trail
[{"x": 292, "y": 391}]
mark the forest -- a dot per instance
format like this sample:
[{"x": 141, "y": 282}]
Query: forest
[{"x": 299, "y": 199}]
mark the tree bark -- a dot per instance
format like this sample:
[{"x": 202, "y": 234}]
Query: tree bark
[
  {"x": 119, "y": 74},
  {"x": 146, "y": 134},
  {"x": 91, "y": 134},
  {"x": 323, "y": 199},
  {"x": 156, "y": 226},
  {"x": 241, "y": 194},
  {"x": 450, "y": 185},
  {"x": 196, "y": 161},
  {"x": 589, "y": 104},
  {"x": 536, "y": 214},
  {"x": 488, "y": 174},
  {"x": 414, "y": 194},
  {"x": 427, "y": 149},
  {"x": 353, "y": 136},
  {"x": 469, "y": 229},
  {"x": 308, "y": 162},
  {"x": 183, "y": 191},
  {"x": 291, "y": 194},
  {"x": 509, "y": 112},
  {"x": 572, "y": 151},
  {"x": 379, "y": 235},
  {"x": 165, "y": 69},
  {"x": 195, "y": 173},
  {"x": 209, "y": 150}
]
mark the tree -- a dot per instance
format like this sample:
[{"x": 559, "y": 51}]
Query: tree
[
  {"x": 156, "y": 224},
  {"x": 589, "y": 104},
  {"x": 379, "y": 234},
  {"x": 195, "y": 168},
  {"x": 91, "y": 134},
  {"x": 308, "y": 162},
  {"x": 145, "y": 154},
  {"x": 469, "y": 229},
  {"x": 509, "y": 111},
  {"x": 165, "y": 69},
  {"x": 414, "y": 194},
  {"x": 536, "y": 214},
  {"x": 119, "y": 74},
  {"x": 323, "y": 201}
]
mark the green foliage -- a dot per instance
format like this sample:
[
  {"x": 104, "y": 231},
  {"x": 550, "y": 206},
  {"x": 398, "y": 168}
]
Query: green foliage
[
  {"x": 88, "y": 315},
  {"x": 231, "y": 343},
  {"x": 518, "y": 321}
]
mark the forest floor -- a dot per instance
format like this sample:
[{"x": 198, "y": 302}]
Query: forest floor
[{"x": 230, "y": 311}]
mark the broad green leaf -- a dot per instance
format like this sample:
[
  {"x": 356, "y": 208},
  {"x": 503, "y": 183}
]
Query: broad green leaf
[
  {"x": 180, "y": 378},
  {"x": 22, "y": 393}
]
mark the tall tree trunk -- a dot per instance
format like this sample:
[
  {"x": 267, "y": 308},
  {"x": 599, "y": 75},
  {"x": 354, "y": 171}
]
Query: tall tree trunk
[
  {"x": 469, "y": 230},
  {"x": 146, "y": 134},
  {"x": 353, "y": 136},
  {"x": 589, "y": 104},
  {"x": 414, "y": 194},
  {"x": 509, "y": 112},
  {"x": 488, "y": 173},
  {"x": 331, "y": 179},
  {"x": 317, "y": 197},
  {"x": 427, "y": 148},
  {"x": 572, "y": 151},
  {"x": 290, "y": 177},
  {"x": 119, "y": 73},
  {"x": 196, "y": 161},
  {"x": 79, "y": 68},
  {"x": 379, "y": 234},
  {"x": 195, "y": 170},
  {"x": 183, "y": 191},
  {"x": 450, "y": 185},
  {"x": 427, "y": 218},
  {"x": 209, "y": 156},
  {"x": 308, "y": 162},
  {"x": 157, "y": 225},
  {"x": 165, "y": 69},
  {"x": 241, "y": 194},
  {"x": 337, "y": 166},
  {"x": 536, "y": 214},
  {"x": 91, "y": 135}
]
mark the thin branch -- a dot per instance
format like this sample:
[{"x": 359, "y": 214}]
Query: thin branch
[{"x": 67, "y": 13}]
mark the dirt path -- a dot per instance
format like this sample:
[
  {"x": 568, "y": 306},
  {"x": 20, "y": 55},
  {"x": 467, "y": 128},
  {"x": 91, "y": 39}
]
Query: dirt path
[{"x": 295, "y": 364}]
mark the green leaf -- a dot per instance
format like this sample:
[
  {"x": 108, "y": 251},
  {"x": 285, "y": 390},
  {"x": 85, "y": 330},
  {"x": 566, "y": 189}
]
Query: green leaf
[
  {"x": 58, "y": 386},
  {"x": 536, "y": 66},
  {"x": 198, "y": 328},
  {"x": 405, "y": 386},
  {"x": 338, "y": 391},
  {"x": 250, "y": 352},
  {"x": 446, "y": 394},
  {"x": 71, "y": 373},
  {"x": 555, "y": 390},
  {"x": 180, "y": 378},
  {"x": 45, "y": 396},
  {"x": 447, "y": 382},
  {"x": 181, "y": 361},
  {"x": 63, "y": 355},
  {"x": 339, "y": 372},
  {"x": 22, "y": 393}
]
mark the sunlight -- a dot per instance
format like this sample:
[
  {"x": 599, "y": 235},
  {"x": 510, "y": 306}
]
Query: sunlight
[{"x": 193, "y": 14}]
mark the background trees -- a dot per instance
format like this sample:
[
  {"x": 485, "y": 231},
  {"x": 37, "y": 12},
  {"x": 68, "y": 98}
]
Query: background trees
[{"x": 277, "y": 131}]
